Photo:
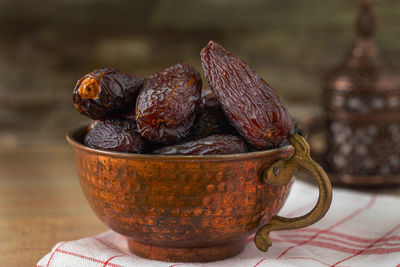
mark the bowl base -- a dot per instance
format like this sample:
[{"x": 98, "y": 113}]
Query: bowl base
[{"x": 170, "y": 254}]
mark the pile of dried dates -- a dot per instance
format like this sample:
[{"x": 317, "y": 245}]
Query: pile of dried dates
[{"x": 170, "y": 114}]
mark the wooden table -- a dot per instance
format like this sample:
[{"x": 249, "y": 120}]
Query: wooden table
[{"x": 41, "y": 203}]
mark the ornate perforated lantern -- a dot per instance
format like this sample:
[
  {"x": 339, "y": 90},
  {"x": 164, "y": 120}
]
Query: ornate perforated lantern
[{"x": 362, "y": 104}]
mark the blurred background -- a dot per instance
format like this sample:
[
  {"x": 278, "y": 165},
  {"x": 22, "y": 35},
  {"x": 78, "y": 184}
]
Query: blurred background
[{"x": 47, "y": 45}]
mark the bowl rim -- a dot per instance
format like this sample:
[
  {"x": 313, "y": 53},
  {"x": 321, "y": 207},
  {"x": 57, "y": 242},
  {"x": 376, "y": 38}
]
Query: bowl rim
[{"x": 70, "y": 136}]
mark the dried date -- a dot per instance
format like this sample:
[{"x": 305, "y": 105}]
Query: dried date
[
  {"x": 208, "y": 99},
  {"x": 115, "y": 135},
  {"x": 251, "y": 105},
  {"x": 212, "y": 120},
  {"x": 167, "y": 104},
  {"x": 106, "y": 93},
  {"x": 211, "y": 145},
  {"x": 91, "y": 125}
]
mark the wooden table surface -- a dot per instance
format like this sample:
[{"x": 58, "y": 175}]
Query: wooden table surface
[{"x": 41, "y": 203}]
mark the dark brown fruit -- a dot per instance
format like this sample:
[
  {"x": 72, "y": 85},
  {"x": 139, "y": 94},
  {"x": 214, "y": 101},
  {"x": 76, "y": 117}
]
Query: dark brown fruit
[
  {"x": 131, "y": 115},
  {"x": 106, "y": 93},
  {"x": 115, "y": 135},
  {"x": 251, "y": 105},
  {"x": 212, "y": 120},
  {"x": 211, "y": 145},
  {"x": 208, "y": 99},
  {"x": 91, "y": 125},
  {"x": 167, "y": 104}
]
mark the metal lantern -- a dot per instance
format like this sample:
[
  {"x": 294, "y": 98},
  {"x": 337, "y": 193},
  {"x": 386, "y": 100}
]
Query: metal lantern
[{"x": 362, "y": 105}]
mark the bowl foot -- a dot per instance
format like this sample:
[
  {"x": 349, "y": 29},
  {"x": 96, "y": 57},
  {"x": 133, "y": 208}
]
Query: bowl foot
[{"x": 201, "y": 254}]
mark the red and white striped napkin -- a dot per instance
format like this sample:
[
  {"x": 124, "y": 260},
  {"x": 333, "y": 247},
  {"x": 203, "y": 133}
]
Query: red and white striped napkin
[{"x": 359, "y": 230}]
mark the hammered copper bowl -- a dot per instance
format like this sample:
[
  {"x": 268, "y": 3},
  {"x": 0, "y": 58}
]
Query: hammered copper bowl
[{"x": 194, "y": 208}]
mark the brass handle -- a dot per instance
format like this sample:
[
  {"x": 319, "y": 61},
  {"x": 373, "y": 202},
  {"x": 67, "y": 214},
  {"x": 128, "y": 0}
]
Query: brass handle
[{"x": 280, "y": 173}]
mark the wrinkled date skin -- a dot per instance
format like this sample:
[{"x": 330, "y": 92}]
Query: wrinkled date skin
[
  {"x": 91, "y": 125},
  {"x": 106, "y": 93},
  {"x": 115, "y": 135},
  {"x": 167, "y": 105},
  {"x": 208, "y": 99},
  {"x": 212, "y": 120},
  {"x": 251, "y": 105},
  {"x": 211, "y": 145}
]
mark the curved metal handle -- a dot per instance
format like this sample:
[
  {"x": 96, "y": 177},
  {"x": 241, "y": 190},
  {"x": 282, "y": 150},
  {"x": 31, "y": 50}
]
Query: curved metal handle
[{"x": 280, "y": 173}]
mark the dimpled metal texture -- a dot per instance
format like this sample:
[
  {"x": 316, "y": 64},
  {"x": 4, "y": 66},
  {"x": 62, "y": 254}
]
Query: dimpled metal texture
[
  {"x": 362, "y": 103},
  {"x": 180, "y": 208}
]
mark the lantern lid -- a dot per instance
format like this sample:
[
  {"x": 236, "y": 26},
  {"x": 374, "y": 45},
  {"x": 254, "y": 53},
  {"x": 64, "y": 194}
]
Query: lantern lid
[{"x": 364, "y": 69}]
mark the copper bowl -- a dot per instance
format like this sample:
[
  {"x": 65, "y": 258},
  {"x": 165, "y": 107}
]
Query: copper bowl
[{"x": 194, "y": 208}]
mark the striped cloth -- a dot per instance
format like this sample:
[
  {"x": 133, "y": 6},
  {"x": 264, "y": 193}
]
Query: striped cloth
[{"x": 359, "y": 230}]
